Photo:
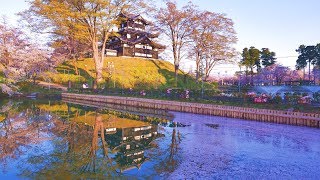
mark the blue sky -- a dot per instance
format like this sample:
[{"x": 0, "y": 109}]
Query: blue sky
[
  {"x": 281, "y": 25},
  {"x": 11, "y": 7}
]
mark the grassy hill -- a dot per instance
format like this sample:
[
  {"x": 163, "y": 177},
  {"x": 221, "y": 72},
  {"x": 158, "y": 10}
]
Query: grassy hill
[
  {"x": 2, "y": 80},
  {"x": 2, "y": 117},
  {"x": 1, "y": 74},
  {"x": 127, "y": 73}
]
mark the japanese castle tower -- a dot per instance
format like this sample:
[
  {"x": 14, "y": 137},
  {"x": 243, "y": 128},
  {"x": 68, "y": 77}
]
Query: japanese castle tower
[{"x": 133, "y": 40}]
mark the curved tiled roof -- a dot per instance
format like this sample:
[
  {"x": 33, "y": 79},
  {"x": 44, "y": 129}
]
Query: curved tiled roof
[
  {"x": 141, "y": 33},
  {"x": 140, "y": 40},
  {"x": 134, "y": 17}
]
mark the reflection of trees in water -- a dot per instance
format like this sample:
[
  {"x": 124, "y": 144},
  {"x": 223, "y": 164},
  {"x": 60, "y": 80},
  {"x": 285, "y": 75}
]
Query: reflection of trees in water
[
  {"x": 170, "y": 156},
  {"x": 82, "y": 153},
  {"x": 20, "y": 129},
  {"x": 80, "y": 161},
  {"x": 75, "y": 146},
  {"x": 75, "y": 150},
  {"x": 175, "y": 140}
]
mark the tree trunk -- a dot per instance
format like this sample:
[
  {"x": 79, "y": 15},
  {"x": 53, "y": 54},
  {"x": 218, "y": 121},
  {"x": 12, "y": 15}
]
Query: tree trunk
[
  {"x": 198, "y": 59},
  {"x": 251, "y": 81},
  {"x": 206, "y": 72},
  {"x": 34, "y": 80},
  {"x": 309, "y": 72},
  {"x": 175, "y": 59},
  {"x": 74, "y": 62},
  {"x": 246, "y": 81},
  {"x": 176, "y": 70},
  {"x": 98, "y": 60}
]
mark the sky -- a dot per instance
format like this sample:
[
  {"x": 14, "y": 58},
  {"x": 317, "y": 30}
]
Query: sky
[{"x": 280, "y": 25}]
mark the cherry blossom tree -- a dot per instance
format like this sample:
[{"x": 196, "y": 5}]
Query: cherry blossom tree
[
  {"x": 212, "y": 39},
  {"x": 316, "y": 73},
  {"x": 88, "y": 21},
  {"x": 69, "y": 48},
  {"x": 295, "y": 75},
  {"x": 175, "y": 24},
  {"x": 20, "y": 58},
  {"x": 274, "y": 74}
]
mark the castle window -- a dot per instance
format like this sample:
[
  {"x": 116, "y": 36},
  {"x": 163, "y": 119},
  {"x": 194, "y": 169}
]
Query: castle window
[{"x": 128, "y": 146}]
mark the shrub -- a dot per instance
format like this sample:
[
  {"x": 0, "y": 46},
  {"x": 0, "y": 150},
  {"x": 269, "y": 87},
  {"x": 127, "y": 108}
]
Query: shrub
[
  {"x": 277, "y": 99},
  {"x": 316, "y": 97}
]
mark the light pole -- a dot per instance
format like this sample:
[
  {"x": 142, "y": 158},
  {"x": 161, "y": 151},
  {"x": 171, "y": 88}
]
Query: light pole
[
  {"x": 111, "y": 72},
  {"x": 202, "y": 76},
  {"x": 240, "y": 73}
]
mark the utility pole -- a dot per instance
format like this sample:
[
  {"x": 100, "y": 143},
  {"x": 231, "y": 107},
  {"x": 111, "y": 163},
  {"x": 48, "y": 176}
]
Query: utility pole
[
  {"x": 111, "y": 72},
  {"x": 240, "y": 73},
  {"x": 202, "y": 76}
]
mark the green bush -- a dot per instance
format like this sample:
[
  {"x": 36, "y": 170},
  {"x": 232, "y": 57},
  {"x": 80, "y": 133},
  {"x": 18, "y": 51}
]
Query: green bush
[
  {"x": 316, "y": 97},
  {"x": 277, "y": 99}
]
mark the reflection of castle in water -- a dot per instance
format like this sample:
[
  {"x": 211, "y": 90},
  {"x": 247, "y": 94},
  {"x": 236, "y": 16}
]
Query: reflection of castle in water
[
  {"x": 130, "y": 144},
  {"x": 127, "y": 135}
]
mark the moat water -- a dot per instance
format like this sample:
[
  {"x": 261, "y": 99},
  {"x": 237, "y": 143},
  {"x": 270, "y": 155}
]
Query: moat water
[{"x": 59, "y": 140}]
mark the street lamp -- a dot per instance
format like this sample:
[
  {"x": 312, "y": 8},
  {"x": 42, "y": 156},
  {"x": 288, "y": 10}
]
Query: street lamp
[
  {"x": 202, "y": 76},
  {"x": 111, "y": 72},
  {"x": 240, "y": 73}
]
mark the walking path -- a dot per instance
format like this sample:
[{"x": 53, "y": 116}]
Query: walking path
[{"x": 52, "y": 85}]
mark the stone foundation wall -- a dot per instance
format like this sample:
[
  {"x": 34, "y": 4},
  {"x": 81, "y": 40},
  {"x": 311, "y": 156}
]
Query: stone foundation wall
[{"x": 263, "y": 115}]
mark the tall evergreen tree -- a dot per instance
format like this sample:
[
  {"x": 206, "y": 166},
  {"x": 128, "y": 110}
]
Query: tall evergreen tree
[
  {"x": 245, "y": 61},
  {"x": 267, "y": 57},
  {"x": 251, "y": 59},
  {"x": 307, "y": 55},
  {"x": 317, "y": 61},
  {"x": 255, "y": 55}
]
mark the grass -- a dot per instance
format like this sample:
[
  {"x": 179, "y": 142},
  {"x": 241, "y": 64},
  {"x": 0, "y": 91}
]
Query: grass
[
  {"x": 1, "y": 74},
  {"x": 28, "y": 87},
  {"x": 2, "y": 117},
  {"x": 2, "y": 80},
  {"x": 128, "y": 72}
]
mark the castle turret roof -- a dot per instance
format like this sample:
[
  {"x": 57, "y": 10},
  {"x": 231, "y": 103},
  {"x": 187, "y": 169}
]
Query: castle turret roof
[
  {"x": 129, "y": 16},
  {"x": 140, "y": 40},
  {"x": 141, "y": 33}
]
